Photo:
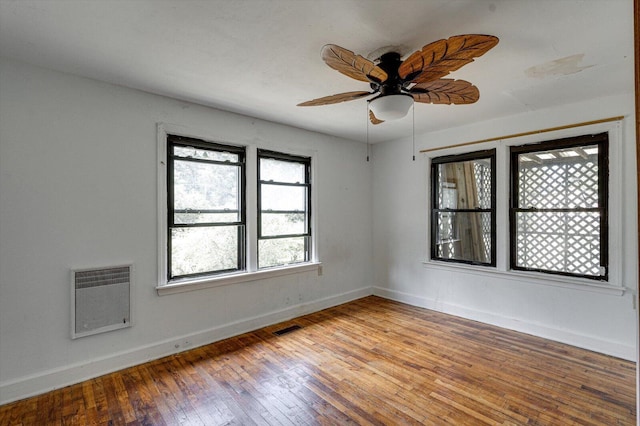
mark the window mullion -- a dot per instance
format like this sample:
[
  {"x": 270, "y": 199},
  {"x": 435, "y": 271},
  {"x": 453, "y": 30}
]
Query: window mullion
[{"x": 252, "y": 200}]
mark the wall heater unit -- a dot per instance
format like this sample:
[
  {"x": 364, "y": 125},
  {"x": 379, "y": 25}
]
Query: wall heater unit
[{"x": 100, "y": 300}]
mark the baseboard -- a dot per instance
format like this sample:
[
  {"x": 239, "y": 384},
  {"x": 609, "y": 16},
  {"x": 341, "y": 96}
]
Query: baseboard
[
  {"x": 57, "y": 378},
  {"x": 586, "y": 342}
]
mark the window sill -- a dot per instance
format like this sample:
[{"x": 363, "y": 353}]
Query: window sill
[
  {"x": 529, "y": 277},
  {"x": 241, "y": 277}
]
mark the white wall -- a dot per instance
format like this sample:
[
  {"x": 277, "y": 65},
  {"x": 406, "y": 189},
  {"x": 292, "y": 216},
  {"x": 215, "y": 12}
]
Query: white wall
[
  {"x": 78, "y": 189},
  {"x": 591, "y": 318}
]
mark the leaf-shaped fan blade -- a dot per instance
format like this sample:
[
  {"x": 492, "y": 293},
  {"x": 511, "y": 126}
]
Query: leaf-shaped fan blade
[
  {"x": 445, "y": 91},
  {"x": 352, "y": 65},
  {"x": 335, "y": 99},
  {"x": 374, "y": 119},
  {"x": 439, "y": 58}
]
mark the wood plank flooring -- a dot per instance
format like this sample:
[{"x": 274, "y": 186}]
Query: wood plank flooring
[{"x": 368, "y": 362}]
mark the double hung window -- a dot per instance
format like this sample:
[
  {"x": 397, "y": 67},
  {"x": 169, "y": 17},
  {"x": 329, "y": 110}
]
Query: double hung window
[
  {"x": 206, "y": 208},
  {"x": 558, "y": 214},
  {"x": 284, "y": 209},
  {"x": 463, "y": 218},
  {"x": 219, "y": 227}
]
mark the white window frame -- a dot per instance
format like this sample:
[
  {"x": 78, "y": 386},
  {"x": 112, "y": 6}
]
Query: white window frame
[
  {"x": 252, "y": 273},
  {"x": 615, "y": 285}
]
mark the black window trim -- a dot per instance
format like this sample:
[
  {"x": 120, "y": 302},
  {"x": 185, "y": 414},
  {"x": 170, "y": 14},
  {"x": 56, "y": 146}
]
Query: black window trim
[
  {"x": 265, "y": 153},
  {"x": 600, "y": 139},
  {"x": 476, "y": 155},
  {"x": 176, "y": 140}
]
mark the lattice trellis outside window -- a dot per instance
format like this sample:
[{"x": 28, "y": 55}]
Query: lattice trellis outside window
[
  {"x": 559, "y": 207},
  {"x": 463, "y": 208}
]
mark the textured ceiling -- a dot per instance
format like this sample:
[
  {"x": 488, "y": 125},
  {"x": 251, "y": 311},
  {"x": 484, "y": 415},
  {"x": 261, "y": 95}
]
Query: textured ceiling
[{"x": 262, "y": 57}]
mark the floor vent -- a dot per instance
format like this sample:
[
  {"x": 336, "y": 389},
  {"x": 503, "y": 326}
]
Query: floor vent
[
  {"x": 287, "y": 330},
  {"x": 100, "y": 300}
]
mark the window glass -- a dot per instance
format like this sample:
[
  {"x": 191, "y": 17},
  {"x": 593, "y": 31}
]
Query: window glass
[
  {"x": 272, "y": 169},
  {"x": 559, "y": 241},
  {"x": 274, "y": 224},
  {"x": 463, "y": 214},
  {"x": 284, "y": 198},
  {"x": 284, "y": 209},
  {"x": 200, "y": 250},
  {"x": 558, "y": 178},
  {"x": 206, "y": 192},
  {"x": 205, "y": 205},
  {"x": 282, "y": 251},
  {"x": 559, "y": 207},
  {"x": 464, "y": 236},
  {"x": 204, "y": 154}
]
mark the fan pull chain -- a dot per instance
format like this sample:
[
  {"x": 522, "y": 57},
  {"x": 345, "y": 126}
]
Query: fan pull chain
[
  {"x": 367, "y": 123},
  {"x": 413, "y": 131}
]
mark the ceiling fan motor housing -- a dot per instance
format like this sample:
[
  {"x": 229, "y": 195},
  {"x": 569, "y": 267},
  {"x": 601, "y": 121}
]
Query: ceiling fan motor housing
[{"x": 389, "y": 63}]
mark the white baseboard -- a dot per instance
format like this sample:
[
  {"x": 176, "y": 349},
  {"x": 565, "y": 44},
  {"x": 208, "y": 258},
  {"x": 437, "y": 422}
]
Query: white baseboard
[
  {"x": 586, "y": 342},
  {"x": 25, "y": 387},
  {"x": 36, "y": 384}
]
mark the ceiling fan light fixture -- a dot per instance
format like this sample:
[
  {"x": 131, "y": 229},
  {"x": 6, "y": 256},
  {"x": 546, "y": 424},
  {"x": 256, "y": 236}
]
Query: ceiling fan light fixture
[{"x": 391, "y": 107}]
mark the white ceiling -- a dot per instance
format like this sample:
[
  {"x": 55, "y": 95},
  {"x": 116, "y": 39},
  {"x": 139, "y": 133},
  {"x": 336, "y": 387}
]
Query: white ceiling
[{"x": 262, "y": 57}]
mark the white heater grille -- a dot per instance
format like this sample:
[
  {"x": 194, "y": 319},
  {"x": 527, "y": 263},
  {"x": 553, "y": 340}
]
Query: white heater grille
[{"x": 101, "y": 300}]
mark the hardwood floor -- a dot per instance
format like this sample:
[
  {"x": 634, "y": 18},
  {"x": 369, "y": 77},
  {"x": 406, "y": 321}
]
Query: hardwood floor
[{"x": 371, "y": 361}]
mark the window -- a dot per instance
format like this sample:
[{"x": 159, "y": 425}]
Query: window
[
  {"x": 230, "y": 214},
  {"x": 463, "y": 219},
  {"x": 284, "y": 209},
  {"x": 558, "y": 213},
  {"x": 205, "y": 206}
]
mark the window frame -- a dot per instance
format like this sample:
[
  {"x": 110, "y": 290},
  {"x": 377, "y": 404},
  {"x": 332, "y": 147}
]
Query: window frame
[
  {"x": 618, "y": 269},
  {"x": 251, "y": 274},
  {"x": 435, "y": 209},
  {"x": 177, "y": 140},
  {"x": 600, "y": 139},
  {"x": 306, "y": 161}
]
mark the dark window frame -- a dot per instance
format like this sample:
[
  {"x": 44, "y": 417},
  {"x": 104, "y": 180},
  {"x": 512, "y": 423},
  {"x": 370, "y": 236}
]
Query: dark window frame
[
  {"x": 183, "y": 141},
  {"x": 264, "y": 153},
  {"x": 436, "y": 210},
  {"x": 600, "y": 139}
]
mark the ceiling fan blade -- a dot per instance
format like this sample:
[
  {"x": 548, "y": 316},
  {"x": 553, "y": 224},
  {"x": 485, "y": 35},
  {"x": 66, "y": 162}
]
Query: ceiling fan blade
[
  {"x": 374, "y": 119},
  {"x": 445, "y": 91},
  {"x": 352, "y": 65},
  {"x": 439, "y": 58},
  {"x": 335, "y": 99}
]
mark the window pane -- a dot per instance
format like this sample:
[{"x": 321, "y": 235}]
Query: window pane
[
  {"x": 204, "y": 154},
  {"x": 185, "y": 218},
  {"x": 464, "y": 184},
  {"x": 281, "y": 171},
  {"x": 204, "y": 249},
  {"x": 210, "y": 191},
  {"x": 463, "y": 236},
  {"x": 283, "y": 224},
  {"x": 558, "y": 178},
  {"x": 559, "y": 241},
  {"x": 283, "y": 198},
  {"x": 281, "y": 251}
]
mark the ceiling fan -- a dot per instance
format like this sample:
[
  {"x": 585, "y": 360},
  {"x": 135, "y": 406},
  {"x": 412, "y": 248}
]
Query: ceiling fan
[{"x": 418, "y": 78}]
